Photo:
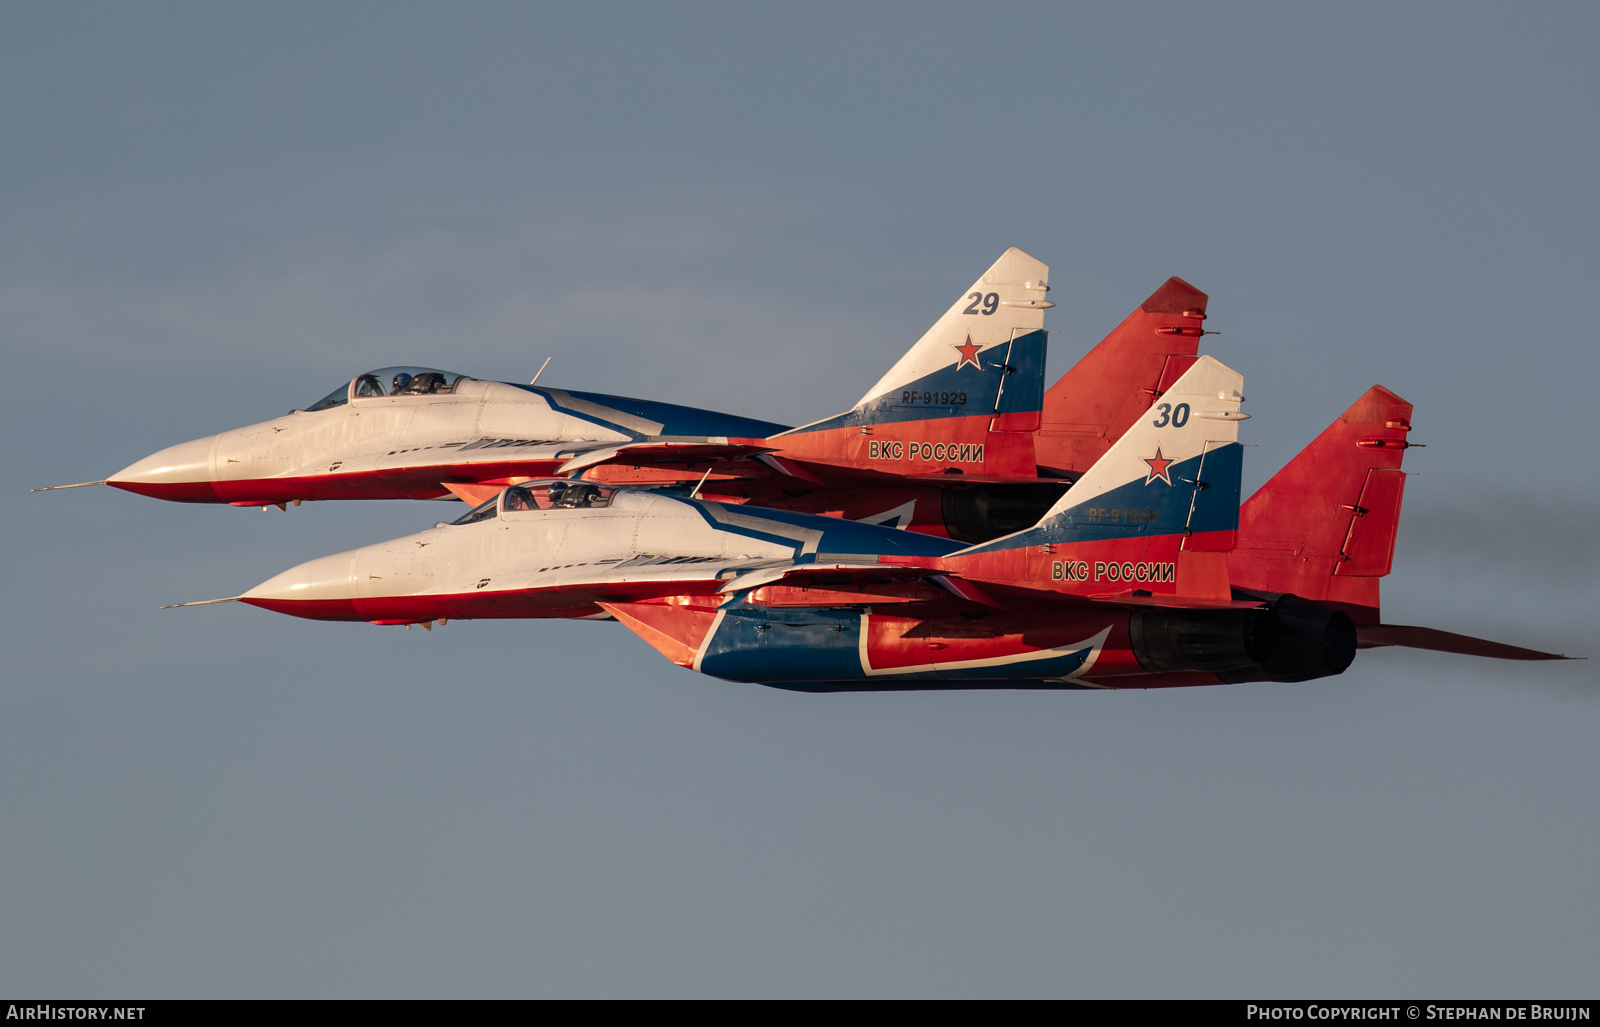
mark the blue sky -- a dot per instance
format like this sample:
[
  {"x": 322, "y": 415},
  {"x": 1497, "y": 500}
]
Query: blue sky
[{"x": 216, "y": 212}]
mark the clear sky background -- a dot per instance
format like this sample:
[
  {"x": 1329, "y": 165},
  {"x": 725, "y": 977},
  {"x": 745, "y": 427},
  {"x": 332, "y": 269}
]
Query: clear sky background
[{"x": 211, "y": 213}]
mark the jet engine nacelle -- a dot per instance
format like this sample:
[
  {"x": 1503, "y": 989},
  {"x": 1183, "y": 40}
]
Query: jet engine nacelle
[{"x": 1290, "y": 640}]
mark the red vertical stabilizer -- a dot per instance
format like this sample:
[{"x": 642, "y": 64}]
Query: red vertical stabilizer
[
  {"x": 1090, "y": 407},
  {"x": 1323, "y": 528}
]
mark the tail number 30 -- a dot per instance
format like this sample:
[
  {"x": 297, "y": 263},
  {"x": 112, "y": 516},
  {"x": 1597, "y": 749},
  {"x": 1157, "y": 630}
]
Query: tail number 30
[{"x": 1177, "y": 416}]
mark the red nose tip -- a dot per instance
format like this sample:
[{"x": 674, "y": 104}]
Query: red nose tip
[{"x": 311, "y": 609}]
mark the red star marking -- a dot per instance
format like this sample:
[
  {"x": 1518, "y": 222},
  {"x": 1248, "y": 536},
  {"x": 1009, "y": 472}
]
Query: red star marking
[
  {"x": 969, "y": 355},
  {"x": 1158, "y": 468}
]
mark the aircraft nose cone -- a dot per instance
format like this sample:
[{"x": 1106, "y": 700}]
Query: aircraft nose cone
[
  {"x": 321, "y": 589},
  {"x": 180, "y": 473}
]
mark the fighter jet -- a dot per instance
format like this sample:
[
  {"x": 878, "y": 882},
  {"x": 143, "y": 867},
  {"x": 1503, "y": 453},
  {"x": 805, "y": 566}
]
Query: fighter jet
[
  {"x": 1144, "y": 574},
  {"x": 412, "y": 432},
  {"x": 958, "y": 439}
]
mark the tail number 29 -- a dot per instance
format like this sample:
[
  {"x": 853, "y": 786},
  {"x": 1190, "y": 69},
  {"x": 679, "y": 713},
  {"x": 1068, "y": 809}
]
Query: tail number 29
[{"x": 991, "y": 303}]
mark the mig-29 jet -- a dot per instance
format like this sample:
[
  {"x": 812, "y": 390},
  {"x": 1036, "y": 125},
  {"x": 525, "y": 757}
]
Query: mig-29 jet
[
  {"x": 421, "y": 433},
  {"x": 956, "y": 440},
  {"x": 1145, "y": 574}
]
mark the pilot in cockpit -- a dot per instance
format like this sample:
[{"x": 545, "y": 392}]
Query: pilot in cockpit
[
  {"x": 575, "y": 495},
  {"x": 427, "y": 383},
  {"x": 402, "y": 384}
]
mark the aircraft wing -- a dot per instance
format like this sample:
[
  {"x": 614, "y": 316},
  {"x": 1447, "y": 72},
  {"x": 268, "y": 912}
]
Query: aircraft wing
[
  {"x": 658, "y": 452},
  {"x": 847, "y": 583},
  {"x": 844, "y": 583},
  {"x": 679, "y": 625},
  {"x": 497, "y": 461},
  {"x": 532, "y": 457},
  {"x": 644, "y": 578},
  {"x": 837, "y": 579}
]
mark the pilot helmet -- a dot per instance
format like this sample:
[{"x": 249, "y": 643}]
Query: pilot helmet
[{"x": 401, "y": 380}]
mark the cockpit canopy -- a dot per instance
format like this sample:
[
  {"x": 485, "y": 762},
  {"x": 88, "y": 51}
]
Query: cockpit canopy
[
  {"x": 546, "y": 494},
  {"x": 556, "y": 494},
  {"x": 392, "y": 381}
]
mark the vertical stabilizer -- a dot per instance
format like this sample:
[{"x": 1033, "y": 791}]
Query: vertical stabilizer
[
  {"x": 1324, "y": 527},
  {"x": 964, "y": 400},
  {"x": 1089, "y": 407},
  {"x": 974, "y": 335},
  {"x": 1174, "y": 473}
]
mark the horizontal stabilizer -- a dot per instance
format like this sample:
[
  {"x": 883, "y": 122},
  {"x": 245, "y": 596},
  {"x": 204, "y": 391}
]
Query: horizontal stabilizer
[
  {"x": 1372, "y": 636},
  {"x": 1178, "y": 602}
]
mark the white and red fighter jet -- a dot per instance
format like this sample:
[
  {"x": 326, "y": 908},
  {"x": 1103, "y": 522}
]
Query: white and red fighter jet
[{"x": 958, "y": 439}]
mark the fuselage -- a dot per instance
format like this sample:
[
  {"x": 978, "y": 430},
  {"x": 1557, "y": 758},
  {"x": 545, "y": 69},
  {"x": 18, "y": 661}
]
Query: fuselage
[
  {"x": 372, "y": 440},
  {"x": 558, "y": 548},
  {"x": 687, "y": 575}
]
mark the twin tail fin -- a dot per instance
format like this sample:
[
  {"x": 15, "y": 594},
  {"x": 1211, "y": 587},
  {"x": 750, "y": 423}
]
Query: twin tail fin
[
  {"x": 1088, "y": 408},
  {"x": 1323, "y": 528},
  {"x": 982, "y": 361},
  {"x": 1175, "y": 472}
]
